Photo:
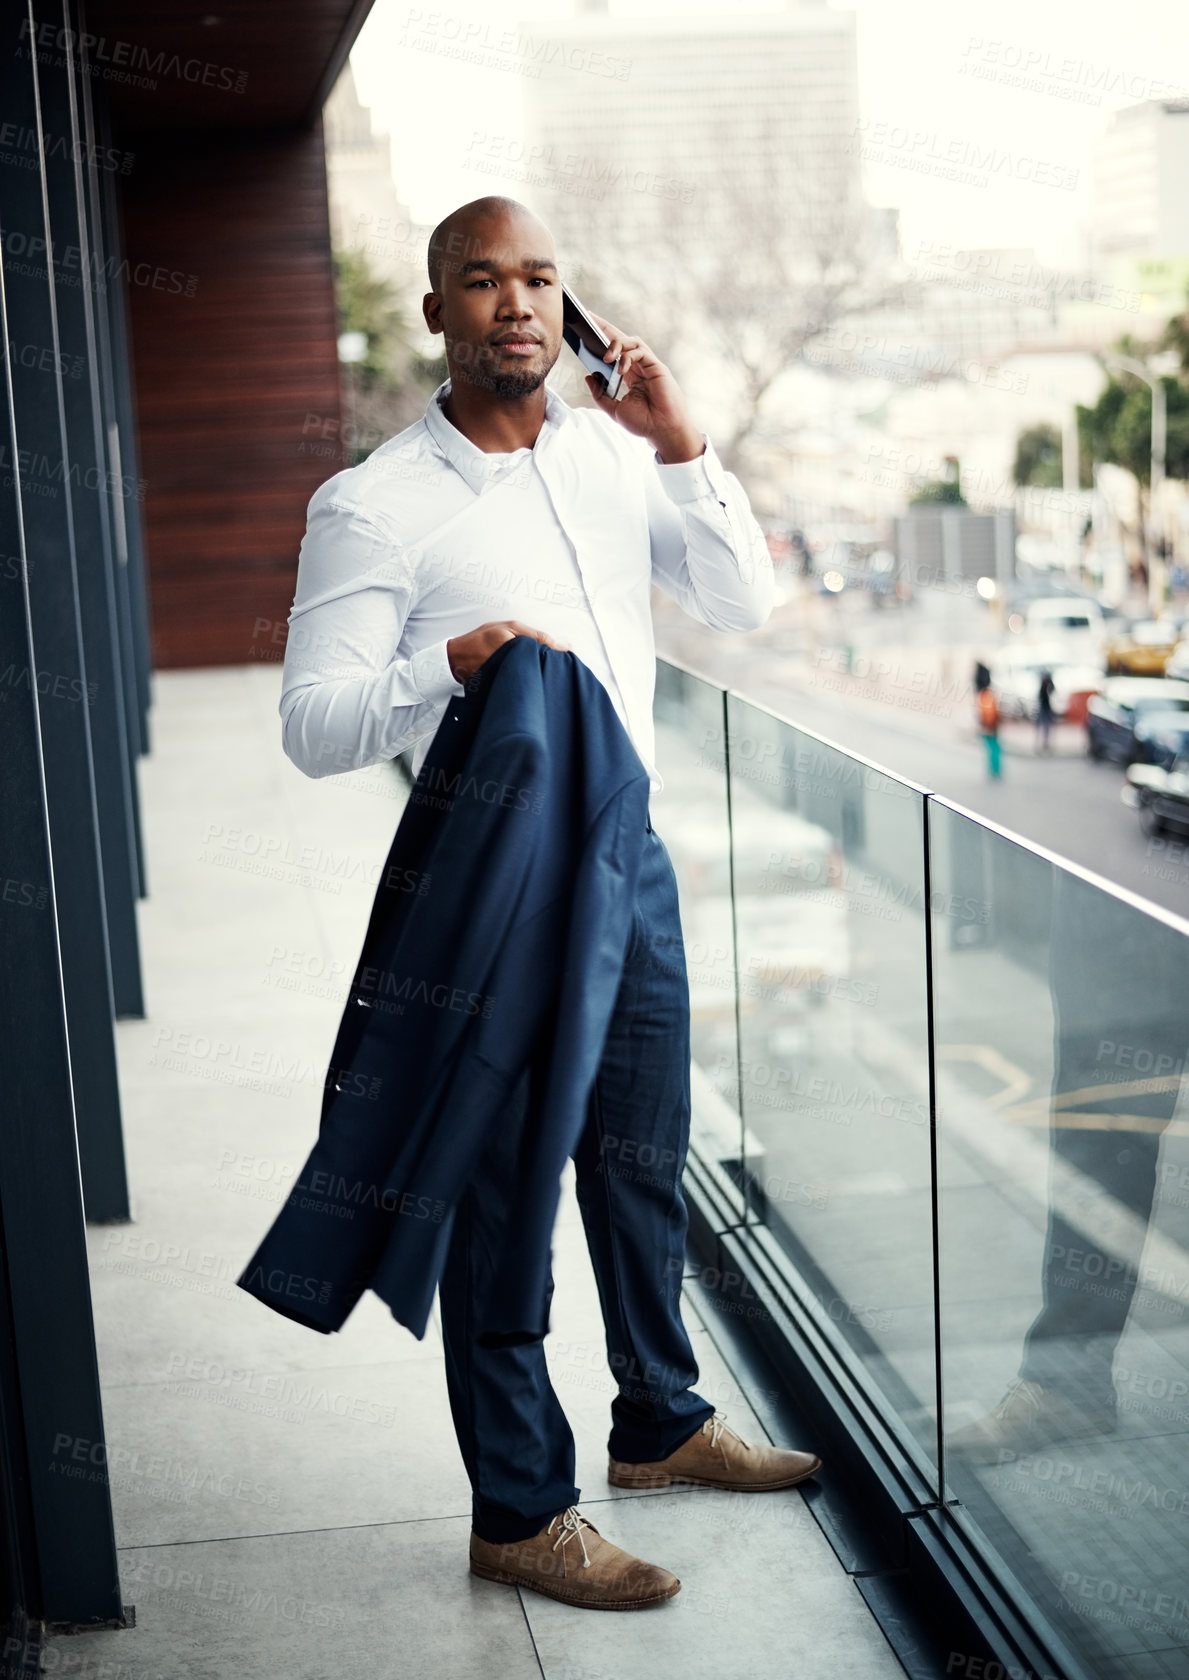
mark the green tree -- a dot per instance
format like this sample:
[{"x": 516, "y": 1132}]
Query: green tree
[
  {"x": 1118, "y": 428},
  {"x": 945, "y": 491},
  {"x": 938, "y": 491},
  {"x": 1038, "y": 457},
  {"x": 389, "y": 388},
  {"x": 1176, "y": 336},
  {"x": 367, "y": 303}
]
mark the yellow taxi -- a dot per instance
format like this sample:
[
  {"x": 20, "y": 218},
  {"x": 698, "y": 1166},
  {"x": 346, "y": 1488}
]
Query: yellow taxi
[{"x": 1141, "y": 649}]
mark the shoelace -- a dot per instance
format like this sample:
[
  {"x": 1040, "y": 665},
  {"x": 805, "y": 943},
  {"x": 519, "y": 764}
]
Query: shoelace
[
  {"x": 1018, "y": 1389},
  {"x": 716, "y": 1426},
  {"x": 572, "y": 1523}
]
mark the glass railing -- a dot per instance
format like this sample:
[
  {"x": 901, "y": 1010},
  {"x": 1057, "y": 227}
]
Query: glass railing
[{"x": 939, "y": 1070}]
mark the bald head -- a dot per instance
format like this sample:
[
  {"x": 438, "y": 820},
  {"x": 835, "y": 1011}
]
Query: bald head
[
  {"x": 456, "y": 239},
  {"x": 496, "y": 300}
]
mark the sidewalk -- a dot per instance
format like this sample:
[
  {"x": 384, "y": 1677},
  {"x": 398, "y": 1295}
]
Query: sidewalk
[{"x": 294, "y": 1505}]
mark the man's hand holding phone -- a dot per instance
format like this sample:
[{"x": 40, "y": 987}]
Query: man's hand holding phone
[
  {"x": 466, "y": 653},
  {"x": 652, "y": 405}
]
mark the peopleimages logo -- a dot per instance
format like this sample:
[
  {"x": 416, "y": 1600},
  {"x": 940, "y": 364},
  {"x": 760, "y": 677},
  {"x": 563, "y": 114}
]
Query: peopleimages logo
[
  {"x": 123, "y": 57},
  {"x": 42, "y": 474},
  {"x": 455, "y": 36},
  {"x": 954, "y": 157},
  {"x": 390, "y": 992},
  {"x": 435, "y": 786},
  {"x": 70, "y": 269},
  {"x": 1021, "y": 64},
  {"x": 29, "y": 145}
]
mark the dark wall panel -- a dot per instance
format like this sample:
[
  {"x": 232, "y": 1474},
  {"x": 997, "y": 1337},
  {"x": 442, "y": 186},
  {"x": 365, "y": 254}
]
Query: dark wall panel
[
  {"x": 231, "y": 302},
  {"x": 270, "y": 63}
]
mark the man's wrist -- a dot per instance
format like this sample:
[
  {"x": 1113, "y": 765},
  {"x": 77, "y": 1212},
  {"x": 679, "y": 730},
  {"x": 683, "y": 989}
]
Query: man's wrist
[{"x": 684, "y": 445}]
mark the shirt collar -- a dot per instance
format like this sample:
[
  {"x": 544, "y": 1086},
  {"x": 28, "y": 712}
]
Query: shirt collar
[{"x": 476, "y": 466}]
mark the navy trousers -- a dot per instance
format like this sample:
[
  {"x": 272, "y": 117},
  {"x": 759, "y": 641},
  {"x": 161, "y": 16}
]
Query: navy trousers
[{"x": 515, "y": 1439}]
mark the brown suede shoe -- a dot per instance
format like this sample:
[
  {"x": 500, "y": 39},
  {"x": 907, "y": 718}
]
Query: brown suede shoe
[
  {"x": 716, "y": 1457},
  {"x": 569, "y": 1559}
]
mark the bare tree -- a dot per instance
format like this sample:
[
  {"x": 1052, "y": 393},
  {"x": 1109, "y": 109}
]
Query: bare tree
[{"x": 739, "y": 271}]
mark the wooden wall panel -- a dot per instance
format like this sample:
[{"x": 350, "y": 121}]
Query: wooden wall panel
[{"x": 232, "y": 351}]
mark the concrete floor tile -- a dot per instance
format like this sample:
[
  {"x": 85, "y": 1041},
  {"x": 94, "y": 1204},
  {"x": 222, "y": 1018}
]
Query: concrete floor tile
[
  {"x": 283, "y": 1451},
  {"x": 164, "y": 1295},
  {"x": 353, "y": 1603},
  {"x": 761, "y": 1598}
]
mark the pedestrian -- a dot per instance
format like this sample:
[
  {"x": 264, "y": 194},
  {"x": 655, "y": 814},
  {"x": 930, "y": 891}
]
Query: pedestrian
[
  {"x": 988, "y": 718},
  {"x": 559, "y": 520},
  {"x": 1045, "y": 715}
]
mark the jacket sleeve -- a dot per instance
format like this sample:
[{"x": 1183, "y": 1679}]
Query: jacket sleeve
[
  {"x": 708, "y": 552},
  {"x": 348, "y": 699}
]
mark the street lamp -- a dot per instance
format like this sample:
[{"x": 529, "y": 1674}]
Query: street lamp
[
  {"x": 352, "y": 346},
  {"x": 352, "y": 350},
  {"x": 1153, "y": 372}
]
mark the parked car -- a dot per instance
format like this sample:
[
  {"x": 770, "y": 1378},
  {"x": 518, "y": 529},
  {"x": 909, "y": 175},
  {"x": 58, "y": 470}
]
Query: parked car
[
  {"x": 1160, "y": 737},
  {"x": 1121, "y": 718},
  {"x": 1160, "y": 796},
  {"x": 1037, "y": 585},
  {"x": 1072, "y": 618},
  {"x": 1143, "y": 648},
  {"x": 1015, "y": 677}
]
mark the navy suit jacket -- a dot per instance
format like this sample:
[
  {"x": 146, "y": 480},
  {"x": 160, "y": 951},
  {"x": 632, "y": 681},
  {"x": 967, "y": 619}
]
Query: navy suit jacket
[{"x": 496, "y": 944}]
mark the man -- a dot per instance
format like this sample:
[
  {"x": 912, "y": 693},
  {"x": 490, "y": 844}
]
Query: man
[
  {"x": 1045, "y": 713},
  {"x": 503, "y": 513}
]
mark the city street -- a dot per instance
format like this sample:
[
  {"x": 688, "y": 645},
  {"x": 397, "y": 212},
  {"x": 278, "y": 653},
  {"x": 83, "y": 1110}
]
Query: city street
[{"x": 906, "y": 705}]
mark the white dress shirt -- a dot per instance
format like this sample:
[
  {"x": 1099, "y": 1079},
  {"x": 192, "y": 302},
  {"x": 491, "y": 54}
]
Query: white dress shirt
[{"x": 431, "y": 537}]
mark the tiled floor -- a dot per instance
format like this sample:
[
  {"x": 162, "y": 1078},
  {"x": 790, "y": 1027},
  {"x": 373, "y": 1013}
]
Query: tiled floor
[{"x": 293, "y": 1505}]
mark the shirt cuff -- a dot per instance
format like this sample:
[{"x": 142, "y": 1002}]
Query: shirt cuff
[
  {"x": 431, "y": 673},
  {"x": 689, "y": 481}
]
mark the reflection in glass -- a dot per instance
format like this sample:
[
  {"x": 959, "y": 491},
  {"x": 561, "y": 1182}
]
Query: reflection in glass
[
  {"x": 1062, "y": 1031},
  {"x": 691, "y": 816},
  {"x": 830, "y": 925}
]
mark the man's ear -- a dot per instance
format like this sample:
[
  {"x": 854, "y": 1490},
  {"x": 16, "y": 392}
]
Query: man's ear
[{"x": 431, "y": 308}]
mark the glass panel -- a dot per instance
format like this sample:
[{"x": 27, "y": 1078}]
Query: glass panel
[
  {"x": 830, "y": 924},
  {"x": 1061, "y": 1018},
  {"x": 691, "y": 816}
]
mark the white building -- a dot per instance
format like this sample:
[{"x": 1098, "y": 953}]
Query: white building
[
  {"x": 1141, "y": 183},
  {"x": 366, "y": 213},
  {"x": 639, "y": 126}
]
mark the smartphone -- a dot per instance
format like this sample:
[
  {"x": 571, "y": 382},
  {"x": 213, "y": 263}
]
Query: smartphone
[{"x": 589, "y": 343}]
